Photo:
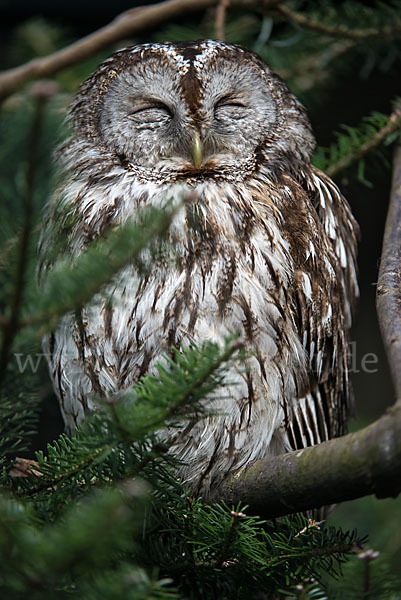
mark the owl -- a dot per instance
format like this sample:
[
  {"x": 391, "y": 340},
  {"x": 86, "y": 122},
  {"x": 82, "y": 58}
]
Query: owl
[{"x": 266, "y": 246}]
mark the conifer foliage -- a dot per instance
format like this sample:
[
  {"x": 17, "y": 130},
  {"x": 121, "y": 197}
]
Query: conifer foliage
[{"x": 100, "y": 514}]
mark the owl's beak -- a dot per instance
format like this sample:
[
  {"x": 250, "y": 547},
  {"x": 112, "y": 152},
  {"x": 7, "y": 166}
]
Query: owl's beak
[{"x": 196, "y": 150}]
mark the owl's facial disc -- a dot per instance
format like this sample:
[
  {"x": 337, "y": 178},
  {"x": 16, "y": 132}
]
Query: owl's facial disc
[
  {"x": 173, "y": 112},
  {"x": 200, "y": 106}
]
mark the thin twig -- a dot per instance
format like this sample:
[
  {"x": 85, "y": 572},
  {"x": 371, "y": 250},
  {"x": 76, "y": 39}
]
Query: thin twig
[
  {"x": 393, "y": 124},
  {"x": 388, "y": 31},
  {"x": 221, "y": 19}
]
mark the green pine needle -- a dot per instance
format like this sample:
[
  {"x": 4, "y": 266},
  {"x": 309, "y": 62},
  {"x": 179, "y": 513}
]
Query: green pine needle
[{"x": 354, "y": 143}]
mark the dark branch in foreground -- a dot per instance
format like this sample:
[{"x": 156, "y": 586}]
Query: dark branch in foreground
[{"x": 355, "y": 465}]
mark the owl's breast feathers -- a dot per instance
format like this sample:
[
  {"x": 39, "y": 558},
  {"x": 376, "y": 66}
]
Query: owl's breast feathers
[{"x": 269, "y": 258}]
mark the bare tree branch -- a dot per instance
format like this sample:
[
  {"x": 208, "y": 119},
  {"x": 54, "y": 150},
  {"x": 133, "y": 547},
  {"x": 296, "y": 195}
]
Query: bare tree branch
[
  {"x": 143, "y": 17},
  {"x": 355, "y": 465},
  {"x": 313, "y": 69},
  {"x": 389, "y": 284},
  {"x": 358, "y": 464},
  {"x": 221, "y": 18},
  {"x": 122, "y": 26}
]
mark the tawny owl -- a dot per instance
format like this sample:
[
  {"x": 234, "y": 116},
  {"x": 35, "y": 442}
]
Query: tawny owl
[{"x": 271, "y": 252}]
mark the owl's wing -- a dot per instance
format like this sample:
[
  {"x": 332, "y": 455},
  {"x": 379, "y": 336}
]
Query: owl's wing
[{"x": 324, "y": 311}]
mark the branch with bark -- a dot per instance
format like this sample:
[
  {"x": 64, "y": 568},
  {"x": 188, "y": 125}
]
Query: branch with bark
[
  {"x": 149, "y": 16},
  {"x": 358, "y": 464},
  {"x": 220, "y": 19},
  {"x": 389, "y": 284},
  {"x": 129, "y": 22}
]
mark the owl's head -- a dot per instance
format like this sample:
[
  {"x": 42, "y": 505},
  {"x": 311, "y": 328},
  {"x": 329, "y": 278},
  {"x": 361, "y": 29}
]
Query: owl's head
[{"x": 191, "y": 106}]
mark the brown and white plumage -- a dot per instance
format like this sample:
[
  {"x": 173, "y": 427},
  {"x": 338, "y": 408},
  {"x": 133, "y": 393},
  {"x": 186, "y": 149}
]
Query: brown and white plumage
[{"x": 267, "y": 247}]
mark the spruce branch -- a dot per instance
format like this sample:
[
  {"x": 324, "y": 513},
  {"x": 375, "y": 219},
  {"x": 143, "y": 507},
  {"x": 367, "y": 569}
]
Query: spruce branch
[
  {"x": 124, "y": 433},
  {"x": 181, "y": 383},
  {"x": 237, "y": 515},
  {"x": 340, "y": 31},
  {"x": 354, "y": 143},
  {"x": 111, "y": 534},
  {"x": 66, "y": 461},
  {"x": 250, "y": 554},
  {"x": 68, "y": 288},
  {"x": 39, "y": 562},
  {"x": 393, "y": 124},
  {"x": 73, "y": 465}
]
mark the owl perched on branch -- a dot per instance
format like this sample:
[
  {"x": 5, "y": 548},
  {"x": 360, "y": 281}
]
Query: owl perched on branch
[{"x": 267, "y": 246}]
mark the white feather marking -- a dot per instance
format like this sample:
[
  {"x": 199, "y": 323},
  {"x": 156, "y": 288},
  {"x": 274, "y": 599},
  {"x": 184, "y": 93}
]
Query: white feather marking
[
  {"x": 328, "y": 315},
  {"x": 319, "y": 362},
  {"x": 307, "y": 287},
  {"x": 311, "y": 352},
  {"x": 312, "y": 251},
  {"x": 341, "y": 253},
  {"x": 312, "y": 412},
  {"x": 318, "y": 183}
]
